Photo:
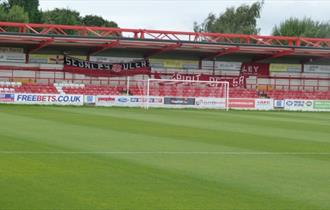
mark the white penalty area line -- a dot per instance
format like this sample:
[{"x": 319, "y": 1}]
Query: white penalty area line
[{"x": 159, "y": 153}]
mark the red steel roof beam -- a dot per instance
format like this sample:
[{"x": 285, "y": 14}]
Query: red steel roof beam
[
  {"x": 41, "y": 45},
  {"x": 164, "y": 49},
  {"x": 31, "y": 29},
  {"x": 46, "y": 30},
  {"x": 223, "y": 52},
  {"x": 184, "y": 36},
  {"x": 309, "y": 60},
  {"x": 93, "y": 32},
  {"x": 103, "y": 47},
  {"x": 275, "y": 55}
]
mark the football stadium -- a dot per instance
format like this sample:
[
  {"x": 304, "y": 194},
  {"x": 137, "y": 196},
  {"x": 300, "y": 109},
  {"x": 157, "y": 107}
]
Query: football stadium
[{"x": 114, "y": 118}]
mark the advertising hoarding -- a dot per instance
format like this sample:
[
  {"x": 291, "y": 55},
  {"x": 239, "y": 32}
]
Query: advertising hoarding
[{"x": 49, "y": 99}]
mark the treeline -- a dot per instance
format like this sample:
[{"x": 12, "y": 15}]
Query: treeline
[
  {"x": 27, "y": 11},
  {"x": 243, "y": 20}
]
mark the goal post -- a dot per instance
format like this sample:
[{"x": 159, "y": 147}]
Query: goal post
[{"x": 188, "y": 93}]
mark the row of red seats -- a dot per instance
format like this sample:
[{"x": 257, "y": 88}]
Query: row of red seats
[
  {"x": 243, "y": 93},
  {"x": 36, "y": 88},
  {"x": 285, "y": 94},
  {"x": 93, "y": 90}
]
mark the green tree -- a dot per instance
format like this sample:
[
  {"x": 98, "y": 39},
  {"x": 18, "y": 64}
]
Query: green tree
[
  {"x": 240, "y": 20},
  {"x": 17, "y": 14},
  {"x": 3, "y": 13},
  {"x": 14, "y": 14},
  {"x": 4, "y": 5},
  {"x": 305, "y": 27},
  {"x": 62, "y": 16},
  {"x": 94, "y": 20},
  {"x": 111, "y": 24},
  {"x": 29, "y": 6}
]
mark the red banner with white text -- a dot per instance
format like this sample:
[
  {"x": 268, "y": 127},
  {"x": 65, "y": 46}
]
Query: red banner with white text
[
  {"x": 74, "y": 65},
  {"x": 255, "y": 69},
  {"x": 238, "y": 81}
]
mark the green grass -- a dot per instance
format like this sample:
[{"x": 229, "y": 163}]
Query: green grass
[{"x": 118, "y": 158}]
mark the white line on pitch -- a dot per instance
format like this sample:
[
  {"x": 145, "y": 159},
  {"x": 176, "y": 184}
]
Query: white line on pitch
[{"x": 164, "y": 153}]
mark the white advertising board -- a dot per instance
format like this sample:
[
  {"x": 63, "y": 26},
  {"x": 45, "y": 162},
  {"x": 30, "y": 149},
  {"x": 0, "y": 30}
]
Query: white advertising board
[
  {"x": 12, "y": 57},
  {"x": 129, "y": 101},
  {"x": 321, "y": 69},
  {"x": 210, "y": 103},
  {"x": 264, "y": 104},
  {"x": 49, "y": 99},
  {"x": 279, "y": 104},
  {"x": 104, "y": 59},
  {"x": 298, "y": 105},
  {"x": 222, "y": 65}
]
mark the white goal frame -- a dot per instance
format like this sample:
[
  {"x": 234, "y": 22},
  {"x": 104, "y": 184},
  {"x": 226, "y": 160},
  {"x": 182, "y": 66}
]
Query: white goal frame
[{"x": 225, "y": 86}]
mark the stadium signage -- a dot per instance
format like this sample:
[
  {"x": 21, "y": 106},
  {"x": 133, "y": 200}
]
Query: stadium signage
[
  {"x": 279, "y": 67},
  {"x": 89, "y": 99},
  {"x": 7, "y": 98},
  {"x": 12, "y": 58},
  {"x": 105, "y": 100},
  {"x": 137, "y": 100},
  {"x": 129, "y": 101},
  {"x": 219, "y": 103},
  {"x": 143, "y": 100},
  {"x": 45, "y": 99},
  {"x": 70, "y": 61},
  {"x": 179, "y": 101},
  {"x": 11, "y": 50},
  {"x": 239, "y": 81},
  {"x": 322, "y": 105},
  {"x": 156, "y": 100},
  {"x": 174, "y": 64},
  {"x": 116, "y": 69},
  {"x": 320, "y": 69},
  {"x": 106, "y": 59},
  {"x": 242, "y": 103},
  {"x": 264, "y": 104},
  {"x": 298, "y": 105},
  {"x": 279, "y": 103},
  {"x": 168, "y": 102},
  {"x": 190, "y": 77},
  {"x": 222, "y": 65},
  {"x": 123, "y": 99},
  {"x": 255, "y": 69}
]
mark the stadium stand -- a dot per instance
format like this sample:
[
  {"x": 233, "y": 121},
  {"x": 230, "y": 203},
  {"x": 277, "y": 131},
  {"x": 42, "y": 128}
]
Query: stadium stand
[{"x": 46, "y": 73}]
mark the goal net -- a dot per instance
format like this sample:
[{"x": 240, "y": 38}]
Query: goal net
[{"x": 188, "y": 93}]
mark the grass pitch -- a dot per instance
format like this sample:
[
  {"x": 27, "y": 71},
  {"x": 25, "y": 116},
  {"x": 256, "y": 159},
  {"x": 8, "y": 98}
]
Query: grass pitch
[{"x": 119, "y": 158}]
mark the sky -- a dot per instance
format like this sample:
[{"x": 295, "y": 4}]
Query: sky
[{"x": 179, "y": 15}]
